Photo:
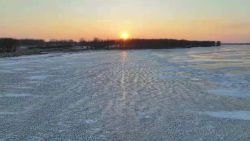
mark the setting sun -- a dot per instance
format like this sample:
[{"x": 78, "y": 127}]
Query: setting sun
[{"x": 125, "y": 35}]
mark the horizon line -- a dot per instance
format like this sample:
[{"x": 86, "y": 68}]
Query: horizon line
[{"x": 67, "y": 39}]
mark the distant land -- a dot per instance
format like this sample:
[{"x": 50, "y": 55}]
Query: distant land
[{"x": 17, "y": 47}]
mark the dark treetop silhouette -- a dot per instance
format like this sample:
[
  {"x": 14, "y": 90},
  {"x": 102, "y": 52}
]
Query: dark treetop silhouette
[{"x": 11, "y": 45}]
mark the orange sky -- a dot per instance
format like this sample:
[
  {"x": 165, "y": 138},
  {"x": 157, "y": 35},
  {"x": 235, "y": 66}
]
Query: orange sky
[{"x": 225, "y": 20}]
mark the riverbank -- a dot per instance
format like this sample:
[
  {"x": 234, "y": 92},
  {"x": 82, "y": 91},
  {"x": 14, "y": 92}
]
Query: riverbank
[
  {"x": 37, "y": 51},
  {"x": 42, "y": 50}
]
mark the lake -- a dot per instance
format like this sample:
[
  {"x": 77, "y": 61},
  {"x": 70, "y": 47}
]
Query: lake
[{"x": 196, "y": 94}]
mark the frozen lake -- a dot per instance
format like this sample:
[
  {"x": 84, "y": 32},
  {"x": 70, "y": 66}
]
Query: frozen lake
[{"x": 198, "y": 94}]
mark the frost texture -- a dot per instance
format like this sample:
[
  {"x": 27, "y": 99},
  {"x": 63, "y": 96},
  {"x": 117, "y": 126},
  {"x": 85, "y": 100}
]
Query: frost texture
[{"x": 178, "y": 95}]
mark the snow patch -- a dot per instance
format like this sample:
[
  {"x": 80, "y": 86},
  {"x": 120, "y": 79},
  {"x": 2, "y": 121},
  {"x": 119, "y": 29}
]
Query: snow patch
[
  {"x": 229, "y": 92},
  {"x": 15, "y": 95},
  {"x": 90, "y": 121},
  {"x": 238, "y": 115},
  {"x": 39, "y": 77},
  {"x": 8, "y": 113}
]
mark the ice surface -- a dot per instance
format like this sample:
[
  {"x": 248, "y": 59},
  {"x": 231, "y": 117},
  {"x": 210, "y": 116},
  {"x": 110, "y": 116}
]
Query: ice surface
[{"x": 177, "y": 95}]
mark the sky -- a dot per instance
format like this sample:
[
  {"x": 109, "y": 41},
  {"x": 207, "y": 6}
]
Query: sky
[{"x": 224, "y": 20}]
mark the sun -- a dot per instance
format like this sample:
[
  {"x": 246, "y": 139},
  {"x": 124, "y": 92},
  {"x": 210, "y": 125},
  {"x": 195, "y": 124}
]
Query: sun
[{"x": 124, "y": 35}]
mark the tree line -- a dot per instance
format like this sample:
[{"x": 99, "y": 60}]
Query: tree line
[{"x": 11, "y": 45}]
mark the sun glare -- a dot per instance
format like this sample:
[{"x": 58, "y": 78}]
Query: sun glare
[{"x": 124, "y": 35}]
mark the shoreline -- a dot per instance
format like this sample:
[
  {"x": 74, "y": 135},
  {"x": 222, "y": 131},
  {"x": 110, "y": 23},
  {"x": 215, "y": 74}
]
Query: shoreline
[{"x": 39, "y": 51}]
